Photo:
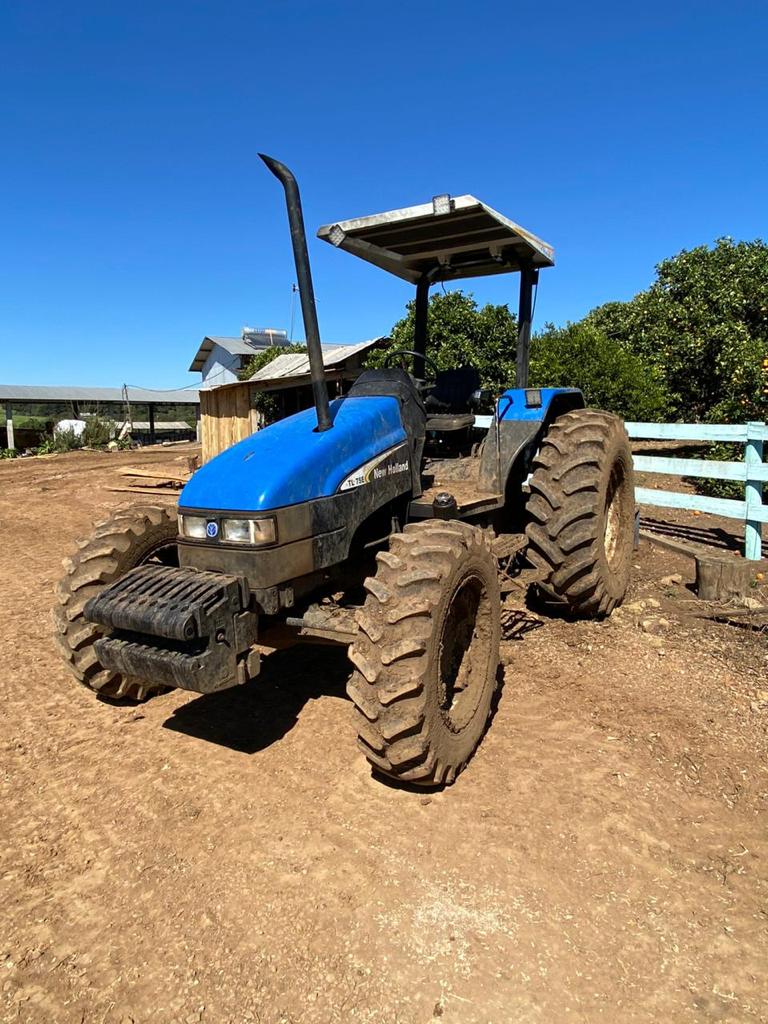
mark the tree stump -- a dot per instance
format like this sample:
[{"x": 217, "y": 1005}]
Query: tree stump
[{"x": 725, "y": 578}]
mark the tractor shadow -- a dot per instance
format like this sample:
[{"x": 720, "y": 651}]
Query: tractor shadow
[
  {"x": 516, "y": 623},
  {"x": 252, "y": 717}
]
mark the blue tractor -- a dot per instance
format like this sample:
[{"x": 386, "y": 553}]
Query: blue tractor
[{"x": 393, "y": 520}]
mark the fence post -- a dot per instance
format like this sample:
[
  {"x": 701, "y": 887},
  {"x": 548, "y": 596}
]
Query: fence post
[
  {"x": 9, "y": 425},
  {"x": 753, "y": 490}
]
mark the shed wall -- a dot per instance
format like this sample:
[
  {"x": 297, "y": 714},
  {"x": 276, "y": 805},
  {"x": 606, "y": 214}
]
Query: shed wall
[{"x": 226, "y": 418}]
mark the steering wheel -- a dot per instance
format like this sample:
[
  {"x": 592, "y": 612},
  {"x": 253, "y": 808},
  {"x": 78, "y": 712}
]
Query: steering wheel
[{"x": 416, "y": 355}]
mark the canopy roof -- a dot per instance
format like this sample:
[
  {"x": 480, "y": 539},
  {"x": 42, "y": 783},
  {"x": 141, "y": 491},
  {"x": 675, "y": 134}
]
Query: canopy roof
[
  {"x": 447, "y": 239},
  {"x": 43, "y": 393}
]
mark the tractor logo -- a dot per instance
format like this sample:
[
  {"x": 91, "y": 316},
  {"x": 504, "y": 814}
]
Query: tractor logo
[
  {"x": 375, "y": 470},
  {"x": 212, "y": 529}
]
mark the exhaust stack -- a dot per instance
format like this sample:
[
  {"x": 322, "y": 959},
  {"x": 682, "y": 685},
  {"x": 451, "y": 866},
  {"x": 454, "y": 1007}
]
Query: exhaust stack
[{"x": 306, "y": 291}]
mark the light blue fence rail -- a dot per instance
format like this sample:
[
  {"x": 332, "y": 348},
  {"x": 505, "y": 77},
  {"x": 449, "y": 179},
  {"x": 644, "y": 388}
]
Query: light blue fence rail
[{"x": 752, "y": 472}]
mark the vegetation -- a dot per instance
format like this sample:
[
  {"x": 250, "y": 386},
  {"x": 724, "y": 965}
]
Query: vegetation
[
  {"x": 22, "y": 422},
  {"x": 66, "y": 440},
  {"x": 704, "y": 324},
  {"x": 266, "y": 403},
  {"x": 693, "y": 346},
  {"x": 8, "y": 453},
  {"x": 98, "y": 432},
  {"x": 611, "y": 376},
  {"x": 460, "y": 334}
]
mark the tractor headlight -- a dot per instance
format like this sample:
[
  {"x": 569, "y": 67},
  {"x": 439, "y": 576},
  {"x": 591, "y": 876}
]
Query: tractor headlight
[
  {"x": 248, "y": 531},
  {"x": 192, "y": 526}
]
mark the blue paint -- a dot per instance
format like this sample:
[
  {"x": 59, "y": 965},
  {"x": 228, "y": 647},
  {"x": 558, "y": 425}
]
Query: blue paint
[
  {"x": 706, "y": 468},
  {"x": 730, "y": 508},
  {"x": 753, "y": 472},
  {"x": 753, "y": 491},
  {"x": 511, "y": 405},
  {"x": 736, "y": 432},
  {"x": 289, "y": 462}
]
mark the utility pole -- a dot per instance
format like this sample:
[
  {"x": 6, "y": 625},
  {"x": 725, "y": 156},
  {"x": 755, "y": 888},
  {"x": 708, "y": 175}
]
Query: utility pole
[{"x": 294, "y": 290}]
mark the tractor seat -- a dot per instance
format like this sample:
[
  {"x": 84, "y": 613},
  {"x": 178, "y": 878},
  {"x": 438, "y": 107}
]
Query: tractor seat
[
  {"x": 452, "y": 391},
  {"x": 450, "y": 421}
]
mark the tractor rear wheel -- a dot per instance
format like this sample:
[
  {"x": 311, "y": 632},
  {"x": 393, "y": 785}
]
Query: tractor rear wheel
[
  {"x": 427, "y": 652},
  {"x": 581, "y": 512},
  {"x": 130, "y": 537}
]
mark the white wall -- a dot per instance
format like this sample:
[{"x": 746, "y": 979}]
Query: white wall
[{"x": 217, "y": 368}]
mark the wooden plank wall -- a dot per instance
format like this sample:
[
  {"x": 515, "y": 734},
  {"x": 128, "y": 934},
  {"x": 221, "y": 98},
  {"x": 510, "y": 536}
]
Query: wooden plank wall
[{"x": 226, "y": 417}]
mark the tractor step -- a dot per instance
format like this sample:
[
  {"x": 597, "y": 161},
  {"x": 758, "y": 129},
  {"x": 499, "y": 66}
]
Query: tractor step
[{"x": 177, "y": 627}]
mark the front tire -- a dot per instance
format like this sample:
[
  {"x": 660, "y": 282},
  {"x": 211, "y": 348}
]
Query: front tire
[
  {"x": 581, "y": 512},
  {"x": 129, "y": 538},
  {"x": 427, "y": 652}
]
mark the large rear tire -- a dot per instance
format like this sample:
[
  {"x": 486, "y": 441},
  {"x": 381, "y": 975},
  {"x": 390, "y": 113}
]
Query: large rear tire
[
  {"x": 581, "y": 512},
  {"x": 427, "y": 653},
  {"x": 130, "y": 537}
]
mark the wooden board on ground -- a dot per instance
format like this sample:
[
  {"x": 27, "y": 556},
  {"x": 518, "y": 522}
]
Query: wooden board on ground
[
  {"x": 157, "y": 492},
  {"x": 154, "y": 474}
]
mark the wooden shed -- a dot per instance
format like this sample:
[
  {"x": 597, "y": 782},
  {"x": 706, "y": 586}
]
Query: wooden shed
[{"x": 232, "y": 412}]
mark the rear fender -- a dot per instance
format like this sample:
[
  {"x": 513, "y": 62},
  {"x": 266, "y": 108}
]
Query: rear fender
[{"x": 523, "y": 416}]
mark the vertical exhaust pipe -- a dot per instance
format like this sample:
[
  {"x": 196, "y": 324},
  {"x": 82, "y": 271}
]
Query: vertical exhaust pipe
[{"x": 306, "y": 291}]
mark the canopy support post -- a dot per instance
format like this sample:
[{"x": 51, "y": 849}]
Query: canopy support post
[
  {"x": 528, "y": 278},
  {"x": 420, "y": 331}
]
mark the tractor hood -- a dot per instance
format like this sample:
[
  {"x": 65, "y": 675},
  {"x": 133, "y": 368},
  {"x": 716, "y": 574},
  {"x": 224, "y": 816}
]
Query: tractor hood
[{"x": 290, "y": 461}]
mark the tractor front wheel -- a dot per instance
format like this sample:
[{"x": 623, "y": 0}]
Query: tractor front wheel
[
  {"x": 427, "y": 652},
  {"x": 129, "y": 538}
]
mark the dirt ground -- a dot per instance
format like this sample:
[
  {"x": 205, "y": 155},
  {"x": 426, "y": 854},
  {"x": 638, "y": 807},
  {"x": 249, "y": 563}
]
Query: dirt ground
[{"x": 230, "y": 858}]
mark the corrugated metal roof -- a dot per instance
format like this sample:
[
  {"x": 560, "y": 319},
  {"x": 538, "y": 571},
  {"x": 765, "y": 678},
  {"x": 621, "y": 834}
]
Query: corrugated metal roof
[
  {"x": 296, "y": 364},
  {"x": 35, "y": 393},
  {"x": 234, "y": 346}
]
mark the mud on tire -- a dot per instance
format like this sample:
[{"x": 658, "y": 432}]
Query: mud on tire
[
  {"x": 427, "y": 652},
  {"x": 130, "y": 537},
  {"x": 581, "y": 512}
]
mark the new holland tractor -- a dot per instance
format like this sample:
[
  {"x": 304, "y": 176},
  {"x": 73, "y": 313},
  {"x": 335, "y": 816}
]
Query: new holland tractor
[{"x": 392, "y": 520}]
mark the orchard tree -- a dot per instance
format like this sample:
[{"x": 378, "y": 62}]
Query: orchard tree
[
  {"x": 462, "y": 334},
  {"x": 611, "y": 376},
  {"x": 704, "y": 324}
]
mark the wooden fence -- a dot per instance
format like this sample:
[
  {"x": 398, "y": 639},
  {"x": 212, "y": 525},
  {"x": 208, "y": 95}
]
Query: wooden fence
[{"x": 752, "y": 472}]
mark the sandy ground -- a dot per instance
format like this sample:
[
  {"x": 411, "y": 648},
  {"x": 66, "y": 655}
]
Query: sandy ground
[{"x": 230, "y": 858}]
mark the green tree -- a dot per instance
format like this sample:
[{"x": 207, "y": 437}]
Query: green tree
[
  {"x": 462, "y": 334},
  {"x": 574, "y": 356},
  {"x": 610, "y": 375},
  {"x": 704, "y": 323},
  {"x": 265, "y": 402}
]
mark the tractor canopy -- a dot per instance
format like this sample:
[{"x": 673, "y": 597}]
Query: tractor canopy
[{"x": 447, "y": 239}]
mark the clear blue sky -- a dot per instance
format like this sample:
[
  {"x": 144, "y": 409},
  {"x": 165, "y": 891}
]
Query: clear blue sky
[{"x": 135, "y": 217}]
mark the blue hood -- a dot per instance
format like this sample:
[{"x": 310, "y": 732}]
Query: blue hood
[{"x": 290, "y": 462}]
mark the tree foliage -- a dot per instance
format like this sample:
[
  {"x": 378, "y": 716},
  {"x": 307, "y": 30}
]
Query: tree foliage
[
  {"x": 462, "y": 334},
  {"x": 704, "y": 323},
  {"x": 610, "y": 375},
  {"x": 264, "y": 401}
]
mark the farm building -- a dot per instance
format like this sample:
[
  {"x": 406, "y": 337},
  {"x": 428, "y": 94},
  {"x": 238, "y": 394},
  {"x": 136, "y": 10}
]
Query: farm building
[
  {"x": 232, "y": 412},
  {"x": 160, "y": 412},
  {"x": 220, "y": 360}
]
